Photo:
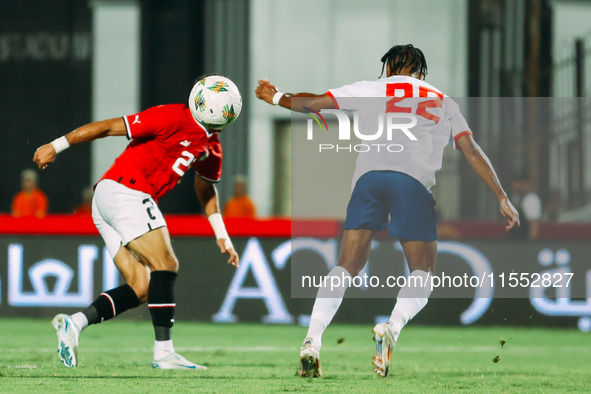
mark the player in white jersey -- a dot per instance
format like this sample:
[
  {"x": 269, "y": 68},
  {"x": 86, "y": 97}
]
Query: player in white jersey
[{"x": 395, "y": 185}]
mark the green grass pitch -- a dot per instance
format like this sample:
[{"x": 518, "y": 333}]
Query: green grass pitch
[{"x": 115, "y": 357}]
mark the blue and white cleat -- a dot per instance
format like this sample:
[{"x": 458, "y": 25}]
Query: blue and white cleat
[
  {"x": 175, "y": 361},
  {"x": 385, "y": 342},
  {"x": 67, "y": 335}
]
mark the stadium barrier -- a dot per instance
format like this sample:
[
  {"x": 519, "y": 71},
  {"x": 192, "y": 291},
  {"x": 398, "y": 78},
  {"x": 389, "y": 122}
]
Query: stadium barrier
[{"x": 59, "y": 263}]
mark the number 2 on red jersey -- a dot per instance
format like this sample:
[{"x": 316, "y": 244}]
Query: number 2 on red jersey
[
  {"x": 184, "y": 161},
  {"x": 407, "y": 88}
]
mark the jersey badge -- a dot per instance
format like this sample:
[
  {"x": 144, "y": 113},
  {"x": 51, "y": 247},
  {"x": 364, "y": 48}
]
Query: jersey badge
[{"x": 203, "y": 155}]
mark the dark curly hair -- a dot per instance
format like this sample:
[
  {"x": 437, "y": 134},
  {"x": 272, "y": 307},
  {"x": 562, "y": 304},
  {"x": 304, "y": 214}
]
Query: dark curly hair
[{"x": 400, "y": 56}]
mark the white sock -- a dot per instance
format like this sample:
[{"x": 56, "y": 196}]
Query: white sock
[
  {"x": 162, "y": 349},
  {"x": 328, "y": 301},
  {"x": 411, "y": 299},
  {"x": 315, "y": 331},
  {"x": 80, "y": 320}
]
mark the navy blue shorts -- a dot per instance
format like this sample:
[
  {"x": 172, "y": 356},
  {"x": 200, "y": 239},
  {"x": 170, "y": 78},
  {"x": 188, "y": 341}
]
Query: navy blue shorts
[{"x": 410, "y": 205}]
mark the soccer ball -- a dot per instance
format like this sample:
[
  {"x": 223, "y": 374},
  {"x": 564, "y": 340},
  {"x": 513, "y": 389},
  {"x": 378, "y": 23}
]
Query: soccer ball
[{"x": 215, "y": 102}]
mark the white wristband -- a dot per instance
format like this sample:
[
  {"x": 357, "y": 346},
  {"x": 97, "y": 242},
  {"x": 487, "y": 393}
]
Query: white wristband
[
  {"x": 228, "y": 244},
  {"x": 218, "y": 226},
  {"x": 276, "y": 97},
  {"x": 60, "y": 144}
]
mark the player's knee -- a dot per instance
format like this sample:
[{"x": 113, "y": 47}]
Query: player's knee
[
  {"x": 141, "y": 292},
  {"x": 168, "y": 262},
  {"x": 139, "y": 283},
  {"x": 352, "y": 269},
  {"x": 172, "y": 263},
  {"x": 427, "y": 266}
]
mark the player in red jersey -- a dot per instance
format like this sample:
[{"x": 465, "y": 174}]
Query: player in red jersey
[{"x": 165, "y": 142}]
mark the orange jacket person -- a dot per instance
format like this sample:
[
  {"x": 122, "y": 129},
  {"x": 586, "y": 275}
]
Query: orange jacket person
[
  {"x": 30, "y": 201},
  {"x": 239, "y": 205}
]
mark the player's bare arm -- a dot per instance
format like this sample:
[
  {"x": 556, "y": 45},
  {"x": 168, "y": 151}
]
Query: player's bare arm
[
  {"x": 47, "y": 153},
  {"x": 482, "y": 166},
  {"x": 269, "y": 94},
  {"x": 208, "y": 197}
]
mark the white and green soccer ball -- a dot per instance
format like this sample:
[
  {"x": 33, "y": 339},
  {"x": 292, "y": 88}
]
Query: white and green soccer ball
[{"x": 215, "y": 102}]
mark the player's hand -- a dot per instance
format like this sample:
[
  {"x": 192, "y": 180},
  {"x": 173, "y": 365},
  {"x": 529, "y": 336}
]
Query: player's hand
[
  {"x": 234, "y": 258},
  {"x": 265, "y": 91},
  {"x": 44, "y": 156},
  {"x": 510, "y": 213}
]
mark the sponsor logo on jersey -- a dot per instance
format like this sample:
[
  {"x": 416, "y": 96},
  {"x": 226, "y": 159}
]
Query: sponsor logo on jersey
[
  {"x": 203, "y": 155},
  {"x": 185, "y": 143},
  {"x": 136, "y": 120}
]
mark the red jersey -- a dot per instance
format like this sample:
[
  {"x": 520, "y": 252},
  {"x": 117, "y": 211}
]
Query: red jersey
[{"x": 165, "y": 142}]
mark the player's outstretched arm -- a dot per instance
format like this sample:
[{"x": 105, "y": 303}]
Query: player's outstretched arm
[
  {"x": 46, "y": 154},
  {"x": 208, "y": 197},
  {"x": 482, "y": 166},
  {"x": 269, "y": 94}
]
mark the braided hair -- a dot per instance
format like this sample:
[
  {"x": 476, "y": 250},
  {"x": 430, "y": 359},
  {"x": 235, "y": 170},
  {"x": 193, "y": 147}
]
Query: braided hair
[{"x": 400, "y": 56}]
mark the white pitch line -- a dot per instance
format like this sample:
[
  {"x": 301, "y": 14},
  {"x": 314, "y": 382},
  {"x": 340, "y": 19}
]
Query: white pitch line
[{"x": 22, "y": 366}]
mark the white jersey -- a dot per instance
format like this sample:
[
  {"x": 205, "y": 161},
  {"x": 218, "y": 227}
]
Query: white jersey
[{"x": 437, "y": 118}]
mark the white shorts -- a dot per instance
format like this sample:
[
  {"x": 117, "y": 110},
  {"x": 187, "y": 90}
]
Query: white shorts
[{"x": 121, "y": 214}]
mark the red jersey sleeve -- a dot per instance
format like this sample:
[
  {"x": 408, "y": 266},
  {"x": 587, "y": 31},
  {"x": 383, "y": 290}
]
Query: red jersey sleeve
[
  {"x": 210, "y": 167},
  {"x": 149, "y": 122}
]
